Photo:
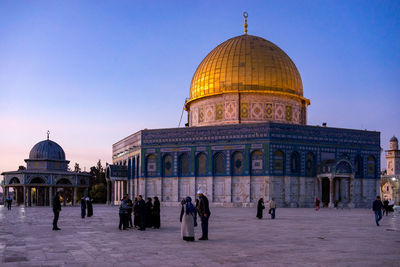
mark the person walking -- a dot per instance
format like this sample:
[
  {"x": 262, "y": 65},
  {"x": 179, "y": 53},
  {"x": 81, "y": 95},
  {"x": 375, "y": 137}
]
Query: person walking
[
  {"x": 141, "y": 213},
  {"x": 260, "y": 208},
  {"x": 377, "y": 208},
  {"x": 9, "y": 202},
  {"x": 89, "y": 207},
  {"x": 317, "y": 202},
  {"x": 156, "y": 213},
  {"x": 123, "y": 213},
  {"x": 56, "y": 211},
  {"x": 187, "y": 220},
  {"x": 204, "y": 213},
  {"x": 83, "y": 207},
  {"x": 272, "y": 207}
]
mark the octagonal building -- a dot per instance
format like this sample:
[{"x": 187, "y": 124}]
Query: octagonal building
[{"x": 247, "y": 137}]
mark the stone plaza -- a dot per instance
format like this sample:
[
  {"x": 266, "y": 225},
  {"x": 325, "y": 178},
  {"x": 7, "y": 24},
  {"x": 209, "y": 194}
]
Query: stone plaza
[{"x": 297, "y": 237}]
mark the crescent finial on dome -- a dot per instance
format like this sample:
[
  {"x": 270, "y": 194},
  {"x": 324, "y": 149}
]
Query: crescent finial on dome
[{"x": 245, "y": 15}]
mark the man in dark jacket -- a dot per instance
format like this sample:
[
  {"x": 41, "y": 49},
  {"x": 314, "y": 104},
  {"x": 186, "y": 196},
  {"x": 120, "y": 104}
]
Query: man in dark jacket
[
  {"x": 140, "y": 208},
  {"x": 204, "y": 213},
  {"x": 56, "y": 210},
  {"x": 377, "y": 208}
]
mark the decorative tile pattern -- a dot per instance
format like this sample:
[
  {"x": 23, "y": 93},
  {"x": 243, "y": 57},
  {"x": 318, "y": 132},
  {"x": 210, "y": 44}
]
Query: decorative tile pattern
[
  {"x": 288, "y": 113},
  {"x": 256, "y": 111},
  {"x": 219, "y": 113},
  {"x": 244, "y": 110},
  {"x": 269, "y": 112},
  {"x": 201, "y": 115}
]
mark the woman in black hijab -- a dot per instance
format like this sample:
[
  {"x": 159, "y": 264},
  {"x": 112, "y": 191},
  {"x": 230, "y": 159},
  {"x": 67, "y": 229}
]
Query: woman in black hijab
[
  {"x": 149, "y": 212},
  {"x": 156, "y": 213},
  {"x": 260, "y": 207}
]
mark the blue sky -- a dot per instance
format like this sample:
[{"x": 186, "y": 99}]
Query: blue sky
[{"x": 93, "y": 72}]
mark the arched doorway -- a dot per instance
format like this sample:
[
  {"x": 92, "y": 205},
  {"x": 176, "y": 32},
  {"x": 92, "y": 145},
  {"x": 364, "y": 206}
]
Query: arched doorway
[{"x": 325, "y": 186}]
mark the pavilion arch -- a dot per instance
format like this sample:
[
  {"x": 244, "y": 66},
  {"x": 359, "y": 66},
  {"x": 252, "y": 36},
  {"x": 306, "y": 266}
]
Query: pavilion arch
[
  {"x": 257, "y": 162},
  {"x": 344, "y": 166},
  {"x": 37, "y": 180},
  {"x": 201, "y": 164},
  {"x": 14, "y": 180},
  {"x": 63, "y": 181},
  {"x": 237, "y": 164}
]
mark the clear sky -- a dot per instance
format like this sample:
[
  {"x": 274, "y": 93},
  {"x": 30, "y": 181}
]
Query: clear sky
[{"x": 93, "y": 72}]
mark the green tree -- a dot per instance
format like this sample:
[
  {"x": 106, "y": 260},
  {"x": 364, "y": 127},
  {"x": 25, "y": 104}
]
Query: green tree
[
  {"x": 99, "y": 193},
  {"x": 97, "y": 187},
  {"x": 77, "y": 168}
]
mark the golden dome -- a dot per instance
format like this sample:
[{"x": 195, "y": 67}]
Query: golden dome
[{"x": 247, "y": 64}]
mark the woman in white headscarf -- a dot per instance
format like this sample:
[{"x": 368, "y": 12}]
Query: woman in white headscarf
[{"x": 187, "y": 220}]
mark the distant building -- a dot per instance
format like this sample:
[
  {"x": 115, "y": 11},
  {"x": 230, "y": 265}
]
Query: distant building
[
  {"x": 390, "y": 181},
  {"x": 46, "y": 173},
  {"x": 247, "y": 137}
]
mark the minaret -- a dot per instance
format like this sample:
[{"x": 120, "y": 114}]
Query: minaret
[{"x": 393, "y": 157}]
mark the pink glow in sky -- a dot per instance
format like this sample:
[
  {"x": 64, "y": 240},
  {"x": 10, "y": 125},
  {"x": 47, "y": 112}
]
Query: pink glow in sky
[{"x": 94, "y": 72}]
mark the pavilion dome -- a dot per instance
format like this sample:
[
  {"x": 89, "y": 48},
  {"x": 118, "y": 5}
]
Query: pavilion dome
[
  {"x": 393, "y": 139},
  {"x": 48, "y": 150}
]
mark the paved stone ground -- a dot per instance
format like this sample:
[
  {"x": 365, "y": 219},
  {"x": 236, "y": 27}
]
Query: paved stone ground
[{"x": 298, "y": 237}]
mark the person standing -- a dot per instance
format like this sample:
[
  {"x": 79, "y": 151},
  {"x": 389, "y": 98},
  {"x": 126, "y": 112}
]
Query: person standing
[
  {"x": 377, "y": 208},
  {"x": 156, "y": 213},
  {"x": 130, "y": 209},
  {"x": 386, "y": 207},
  {"x": 260, "y": 207},
  {"x": 135, "y": 213},
  {"x": 89, "y": 207},
  {"x": 141, "y": 213},
  {"x": 187, "y": 220},
  {"x": 317, "y": 202},
  {"x": 9, "y": 202},
  {"x": 149, "y": 212},
  {"x": 272, "y": 207},
  {"x": 204, "y": 213},
  {"x": 123, "y": 213},
  {"x": 83, "y": 207},
  {"x": 56, "y": 210}
]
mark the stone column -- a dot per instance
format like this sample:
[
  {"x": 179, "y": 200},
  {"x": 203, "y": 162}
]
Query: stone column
[
  {"x": 45, "y": 189},
  {"x": 302, "y": 191},
  {"x": 337, "y": 189},
  {"x": 74, "y": 197},
  {"x": 4, "y": 195},
  {"x": 25, "y": 204},
  {"x": 112, "y": 193},
  {"x": 51, "y": 196},
  {"x": 351, "y": 191},
  {"x": 330, "y": 192},
  {"x": 30, "y": 196},
  {"x": 108, "y": 193}
]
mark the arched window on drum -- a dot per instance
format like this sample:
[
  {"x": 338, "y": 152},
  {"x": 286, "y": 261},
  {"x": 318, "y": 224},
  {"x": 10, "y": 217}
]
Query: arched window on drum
[
  {"x": 183, "y": 166},
  {"x": 237, "y": 163},
  {"x": 167, "y": 166},
  {"x": 219, "y": 164},
  {"x": 278, "y": 163},
  {"x": 371, "y": 166},
  {"x": 201, "y": 165},
  {"x": 257, "y": 163},
  {"x": 151, "y": 165}
]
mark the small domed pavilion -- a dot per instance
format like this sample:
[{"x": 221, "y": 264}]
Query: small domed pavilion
[{"x": 46, "y": 173}]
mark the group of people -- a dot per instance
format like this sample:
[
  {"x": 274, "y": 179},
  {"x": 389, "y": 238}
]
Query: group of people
[
  {"x": 261, "y": 207},
  {"x": 146, "y": 213},
  {"x": 378, "y": 207},
  {"x": 86, "y": 203},
  {"x": 188, "y": 217}
]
